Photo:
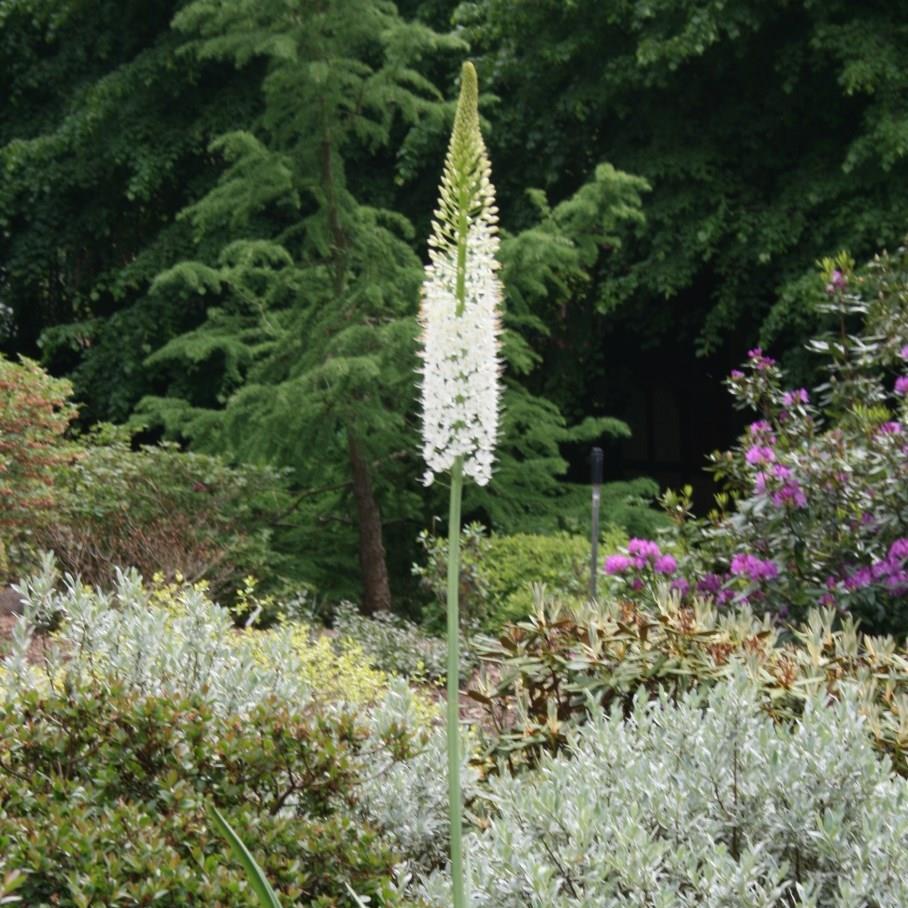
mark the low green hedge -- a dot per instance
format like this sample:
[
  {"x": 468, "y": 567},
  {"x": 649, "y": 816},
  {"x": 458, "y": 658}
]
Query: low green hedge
[
  {"x": 104, "y": 799},
  {"x": 498, "y": 572}
]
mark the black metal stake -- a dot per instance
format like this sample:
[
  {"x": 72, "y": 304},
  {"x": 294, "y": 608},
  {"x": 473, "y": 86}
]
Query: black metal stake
[{"x": 596, "y": 459}]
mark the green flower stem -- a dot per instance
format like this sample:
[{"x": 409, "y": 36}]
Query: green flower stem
[{"x": 454, "y": 795}]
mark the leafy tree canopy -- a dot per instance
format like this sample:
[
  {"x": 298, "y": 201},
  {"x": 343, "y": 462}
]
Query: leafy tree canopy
[{"x": 771, "y": 133}]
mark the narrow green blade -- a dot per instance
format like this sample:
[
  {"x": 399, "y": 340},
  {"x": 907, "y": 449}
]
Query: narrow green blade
[{"x": 260, "y": 885}]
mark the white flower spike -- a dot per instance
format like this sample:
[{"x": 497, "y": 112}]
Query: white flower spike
[{"x": 461, "y": 299}]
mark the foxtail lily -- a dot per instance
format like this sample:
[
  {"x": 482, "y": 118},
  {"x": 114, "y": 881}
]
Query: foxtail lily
[{"x": 460, "y": 374}]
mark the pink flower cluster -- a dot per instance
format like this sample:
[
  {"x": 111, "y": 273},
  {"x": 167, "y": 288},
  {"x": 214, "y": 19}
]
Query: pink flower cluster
[
  {"x": 761, "y": 432},
  {"x": 890, "y": 572},
  {"x": 753, "y": 568},
  {"x": 760, "y": 455},
  {"x": 837, "y": 282},
  {"x": 798, "y": 396},
  {"x": 644, "y": 559},
  {"x": 641, "y": 554},
  {"x": 784, "y": 489},
  {"x": 713, "y": 586},
  {"x": 759, "y": 360}
]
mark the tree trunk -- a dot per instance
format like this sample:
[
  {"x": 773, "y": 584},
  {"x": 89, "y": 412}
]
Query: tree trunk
[{"x": 372, "y": 566}]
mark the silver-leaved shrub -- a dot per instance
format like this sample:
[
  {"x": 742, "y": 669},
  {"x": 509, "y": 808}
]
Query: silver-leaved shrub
[{"x": 705, "y": 803}]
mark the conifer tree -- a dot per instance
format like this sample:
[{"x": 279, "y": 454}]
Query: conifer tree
[
  {"x": 308, "y": 340},
  {"x": 306, "y": 356}
]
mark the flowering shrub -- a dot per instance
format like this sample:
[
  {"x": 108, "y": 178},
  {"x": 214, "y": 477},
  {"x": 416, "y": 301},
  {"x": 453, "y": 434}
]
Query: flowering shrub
[
  {"x": 644, "y": 565},
  {"x": 819, "y": 481},
  {"x": 701, "y": 803}
]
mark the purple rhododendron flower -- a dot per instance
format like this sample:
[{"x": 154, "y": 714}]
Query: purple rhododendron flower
[
  {"x": 901, "y": 386},
  {"x": 879, "y": 569},
  {"x": 898, "y": 551},
  {"x": 890, "y": 428},
  {"x": 681, "y": 585},
  {"x": 617, "y": 564},
  {"x": 759, "y": 455},
  {"x": 759, "y": 360},
  {"x": 644, "y": 549},
  {"x": 761, "y": 433},
  {"x": 791, "y": 493},
  {"x": 798, "y": 396},
  {"x": 709, "y": 583},
  {"x": 746, "y": 565},
  {"x": 666, "y": 565},
  {"x": 860, "y": 578},
  {"x": 736, "y": 374},
  {"x": 904, "y": 352},
  {"x": 837, "y": 281}
]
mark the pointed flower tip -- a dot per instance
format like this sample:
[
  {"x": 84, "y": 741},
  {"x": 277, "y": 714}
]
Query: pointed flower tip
[{"x": 469, "y": 88}]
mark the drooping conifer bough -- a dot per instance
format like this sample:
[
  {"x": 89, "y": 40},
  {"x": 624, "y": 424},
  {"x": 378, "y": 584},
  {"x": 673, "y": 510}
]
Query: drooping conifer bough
[{"x": 460, "y": 306}]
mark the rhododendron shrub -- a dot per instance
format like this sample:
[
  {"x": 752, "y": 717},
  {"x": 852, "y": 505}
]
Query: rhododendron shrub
[{"x": 815, "y": 508}]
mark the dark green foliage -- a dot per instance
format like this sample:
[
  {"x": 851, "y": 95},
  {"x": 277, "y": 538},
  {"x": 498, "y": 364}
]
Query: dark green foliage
[
  {"x": 306, "y": 357},
  {"x": 104, "y": 138},
  {"x": 105, "y": 797},
  {"x": 242, "y": 192},
  {"x": 770, "y": 133}
]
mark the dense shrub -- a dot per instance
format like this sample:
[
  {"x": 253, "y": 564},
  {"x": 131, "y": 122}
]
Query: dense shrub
[
  {"x": 819, "y": 482},
  {"x": 394, "y": 644},
  {"x": 172, "y": 642},
  {"x": 104, "y": 793},
  {"x": 34, "y": 414},
  {"x": 703, "y": 803},
  {"x": 98, "y": 504},
  {"x": 551, "y": 671},
  {"x": 498, "y": 572},
  {"x": 162, "y": 510}
]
